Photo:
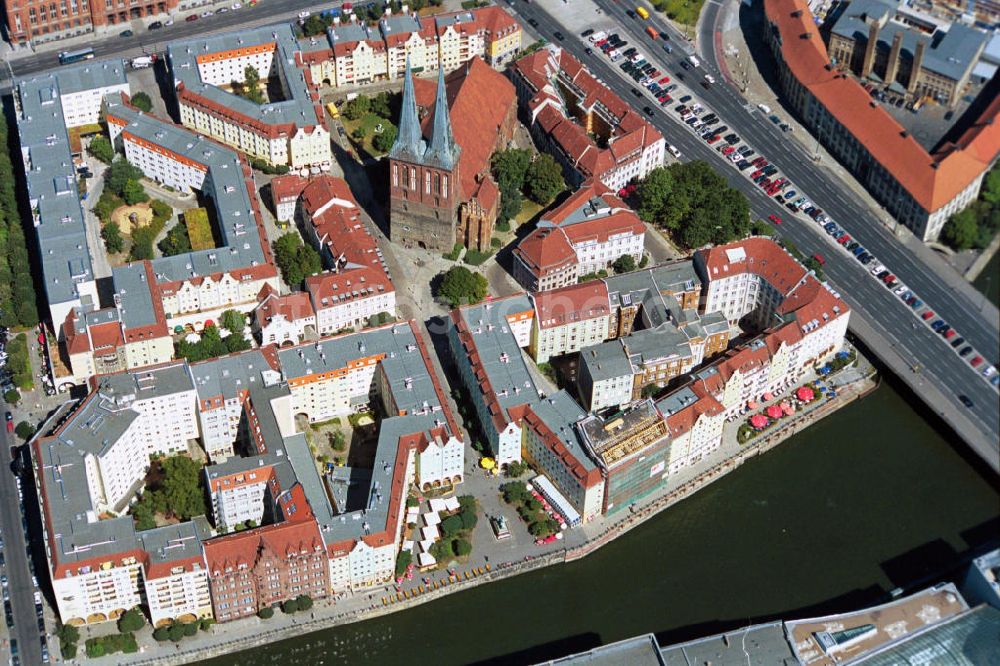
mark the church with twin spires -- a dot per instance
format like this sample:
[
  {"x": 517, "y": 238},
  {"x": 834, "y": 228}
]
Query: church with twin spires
[{"x": 440, "y": 188}]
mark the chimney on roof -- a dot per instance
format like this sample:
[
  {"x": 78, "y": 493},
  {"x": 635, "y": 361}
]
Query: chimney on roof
[
  {"x": 870, "y": 45},
  {"x": 892, "y": 67},
  {"x": 918, "y": 62}
]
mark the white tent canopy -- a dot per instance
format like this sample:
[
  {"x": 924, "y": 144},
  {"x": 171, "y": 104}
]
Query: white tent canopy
[{"x": 432, "y": 518}]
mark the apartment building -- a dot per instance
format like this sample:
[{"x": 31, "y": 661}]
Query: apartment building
[
  {"x": 46, "y": 106},
  {"x": 569, "y": 319},
  {"x": 33, "y": 22},
  {"x": 694, "y": 419},
  {"x": 354, "y": 53},
  {"x": 591, "y": 131},
  {"x": 194, "y": 287},
  {"x": 586, "y": 233},
  {"x": 285, "y": 192},
  {"x": 175, "y": 578},
  {"x": 551, "y": 443},
  {"x": 350, "y": 298},
  {"x": 261, "y": 568},
  {"x": 97, "y": 342},
  {"x": 288, "y": 131},
  {"x": 919, "y": 188},
  {"x": 280, "y": 320}
]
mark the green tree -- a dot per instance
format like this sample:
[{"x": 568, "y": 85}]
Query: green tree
[
  {"x": 176, "y": 241},
  {"x": 305, "y": 602},
  {"x": 265, "y": 613},
  {"x": 106, "y": 205},
  {"x": 462, "y": 547},
  {"x": 461, "y": 286},
  {"x": 100, "y": 148},
  {"x": 624, "y": 264},
  {"x": 960, "y": 231},
  {"x": 509, "y": 168},
  {"x": 134, "y": 193},
  {"x": 761, "y": 228},
  {"x": 290, "y": 606},
  {"x": 381, "y": 105},
  {"x": 383, "y": 142},
  {"x": 112, "y": 235},
  {"x": 544, "y": 180},
  {"x": 161, "y": 210},
  {"x": 357, "y": 108},
  {"x": 514, "y": 492},
  {"x": 176, "y": 632},
  {"x": 510, "y": 206},
  {"x": 12, "y": 397},
  {"x": 651, "y": 390},
  {"x": 68, "y": 636},
  {"x": 234, "y": 320},
  {"x": 131, "y": 620},
  {"x": 182, "y": 487},
  {"x": 314, "y": 25},
  {"x": 118, "y": 175},
  {"x": 380, "y": 319},
  {"x": 295, "y": 260},
  {"x": 24, "y": 430},
  {"x": 403, "y": 560},
  {"x": 161, "y": 634},
  {"x": 469, "y": 519},
  {"x": 142, "y": 101},
  {"x": 990, "y": 192},
  {"x": 249, "y": 87},
  {"x": 451, "y": 526},
  {"x": 190, "y": 628}
]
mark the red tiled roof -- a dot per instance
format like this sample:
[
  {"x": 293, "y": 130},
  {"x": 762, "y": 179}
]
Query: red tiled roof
[
  {"x": 285, "y": 540},
  {"x": 287, "y": 187},
  {"x": 292, "y": 307},
  {"x": 932, "y": 181},
  {"x": 586, "y": 478},
  {"x": 351, "y": 283},
  {"x": 545, "y": 251},
  {"x": 577, "y": 302},
  {"x": 683, "y": 421}
]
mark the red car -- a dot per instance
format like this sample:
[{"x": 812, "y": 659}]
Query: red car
[
  {"x": 774, "y": 218},
  {"x": 844, "y": 240},
  {"x": 756, "y": 173},
  {"x": 712, "y": 139},
  {"x": 888, "y": 278},
  {"x": 726, "y": 150},
  {"x": 193, "y": 17},
  {"x": 10, "y": 426},
  {"x": 976, "y": 362},
  {"x": 665, "y": 80},
  {"x": 819, "y": 257},
  {"x": 927, "y": 315},
  {"x": 949, "y": 334}
]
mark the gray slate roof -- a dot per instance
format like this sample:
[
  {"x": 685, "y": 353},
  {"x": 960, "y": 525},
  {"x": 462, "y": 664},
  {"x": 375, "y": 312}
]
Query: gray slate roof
[
  {"x": 51, "y": 179},
  {"x": 298, "y": 109}
]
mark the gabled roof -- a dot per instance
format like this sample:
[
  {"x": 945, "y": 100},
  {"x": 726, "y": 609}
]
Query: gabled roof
[
  {"x": 286, "y": 541},
  {"x": 568, "y": 305}
]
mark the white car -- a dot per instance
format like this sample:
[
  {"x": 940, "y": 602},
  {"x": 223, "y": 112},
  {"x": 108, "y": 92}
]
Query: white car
[
  {"x": 304, "y": 14},
  {"x": 235, "y": 6},
  {"x": 673, "y": 150},
  {"x": 168, "y": 22},
  {"x": 877, "y": 268},
  {"x": 207, "y": 14}
]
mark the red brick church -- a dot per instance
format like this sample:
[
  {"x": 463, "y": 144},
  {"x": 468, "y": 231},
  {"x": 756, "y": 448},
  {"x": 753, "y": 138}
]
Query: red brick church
[{"x": 441, "y": 190}]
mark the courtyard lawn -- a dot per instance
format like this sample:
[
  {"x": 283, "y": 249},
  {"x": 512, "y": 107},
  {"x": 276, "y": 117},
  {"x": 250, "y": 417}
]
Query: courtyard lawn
[
  {"x": 199, "y": 229},
  {"x": 368, "y": 123},
  {"x": 529, "y": 209}
]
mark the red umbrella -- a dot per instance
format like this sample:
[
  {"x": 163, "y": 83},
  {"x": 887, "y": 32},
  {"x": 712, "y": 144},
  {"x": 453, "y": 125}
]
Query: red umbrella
[
  {"x": 768, "y": 396},
  {"x": 787, "y": 409},
  {"x": 774, "y": 412},
  {"x": 805, "y": 394},
  {"x": 752, "y": 404},
  {"x": 758, "y": 421}
]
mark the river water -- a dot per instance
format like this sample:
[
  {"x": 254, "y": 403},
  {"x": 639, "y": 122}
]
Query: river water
[{"x": 872, "y": 498}]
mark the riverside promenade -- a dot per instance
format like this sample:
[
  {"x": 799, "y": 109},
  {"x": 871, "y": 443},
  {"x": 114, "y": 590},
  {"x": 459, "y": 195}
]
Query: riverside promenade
[{"x": 492, "y": 560}]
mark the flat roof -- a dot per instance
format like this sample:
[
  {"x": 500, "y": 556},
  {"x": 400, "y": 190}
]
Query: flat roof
[
  {"x": 637, "y": 651},
  {"x": 757, "y": 644},
  {"x": 50, "y": 174}
]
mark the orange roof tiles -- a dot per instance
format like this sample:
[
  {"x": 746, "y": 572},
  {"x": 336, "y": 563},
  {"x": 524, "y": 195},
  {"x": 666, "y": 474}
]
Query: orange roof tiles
[
  {"x": 932, "y": 181},
  {"x": 285, "y": 540},
  {"x": 292, "y": 307},
  {"x": 546, "y": 251}
]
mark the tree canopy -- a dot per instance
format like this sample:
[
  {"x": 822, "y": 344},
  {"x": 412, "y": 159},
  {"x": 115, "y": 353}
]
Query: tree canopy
[
  {"x": 694, "y": 203},
  {"x": 383, "y": 141},
  {"x": 461, "y": 286},
  {"x": 142, "y": 101},
  {"x": 176, "y": 241},
  {"x": 510, "y": 166},
  {"x": 112, "y": 236},
  {"x": 249, "y": 87},
  {"x": 178, "y": 492},
  {"x": 295, "y": 260},
  {"x": 100, "y": 148},
  {"x": 118, "y": 175},
  {"x": 212, "y": 345},
  {"x": 544, "y": 180},
  {"x": 17, "y": 291},
  {"x": 961, "y": 230},
  {"x": 624, "y": 264},
  {"x": 233, "y": 320},
  {"x": 131, "y": 620}
]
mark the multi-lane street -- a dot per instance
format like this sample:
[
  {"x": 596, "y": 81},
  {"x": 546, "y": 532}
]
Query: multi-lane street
[
  {"x": 926, "y": 353},
  {"x": 20, "y": 587}
]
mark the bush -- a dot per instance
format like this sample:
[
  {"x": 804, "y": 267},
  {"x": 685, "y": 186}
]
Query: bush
[
  {"x": 12, "y": 397},
  {"x": 142, "y": 101},
  {"x": 190, "y": 628},
  {"x": 455, "y": 252},
  {"x": 101, "y": 149},
  {"x": 265, "y": 613},
  {"x": 176, "y": 632},
  {"x": 103, "y": 645},
  {"x": 304, "y": 601},
  {"x": 161, "y": 634},
  {"x": 624, "y": 264},
  {"x": 131, "y": 621},
  {"x": 503, "y": 227},
  {"x": 475, "y": 257},
  {"x": 495, "y": 242},
  {"x": 462, "y": 547},
  {"x": 290, "y": 606},
  {"x": 112, "y": 235}
]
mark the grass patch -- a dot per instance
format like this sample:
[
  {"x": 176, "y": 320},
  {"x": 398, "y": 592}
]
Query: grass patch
[
  {"x": 362, "y": 131},
  {"x": 199, "y": 229},
  {"x": 529, "y": 209},
  {"x": 475, "y": 257},
  {"x": 682, "y": 11}
]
